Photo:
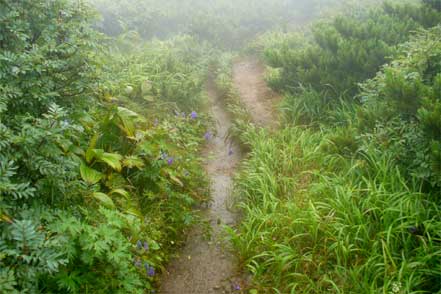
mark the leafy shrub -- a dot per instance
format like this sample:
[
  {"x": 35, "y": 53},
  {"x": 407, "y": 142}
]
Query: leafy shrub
[
  {"x": 92, "y": 194},
  {"x": 346, "y": 50},
  {"x": 408, "y": 91}
]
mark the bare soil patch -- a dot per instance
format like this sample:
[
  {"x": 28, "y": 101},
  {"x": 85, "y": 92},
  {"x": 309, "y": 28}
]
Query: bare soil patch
[{"x": 258, "y": 98}]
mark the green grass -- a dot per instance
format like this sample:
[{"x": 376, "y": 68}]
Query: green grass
[{"x": 320, "y": 223}]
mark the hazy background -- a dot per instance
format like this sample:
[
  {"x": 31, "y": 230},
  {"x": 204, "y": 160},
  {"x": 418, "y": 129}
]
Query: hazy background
[{"x": 226, "y": 23}]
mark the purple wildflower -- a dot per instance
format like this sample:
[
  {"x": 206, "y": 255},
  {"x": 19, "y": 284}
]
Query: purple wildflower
[
  {"x": 146, "y": 246},
  {"x": 236, "y": 287},
  {"x": 139, "y": 244},
  {"x": 207, "y": 136},
  {"x": 194, "y": 115},
  {"x": 170, "y": 161},
  {"x": 151, "y": 271},
  {"x": 147, "y": 267}
]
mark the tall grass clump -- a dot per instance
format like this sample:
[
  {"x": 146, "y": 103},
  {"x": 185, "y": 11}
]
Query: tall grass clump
[{"x": 320, "y": 223}]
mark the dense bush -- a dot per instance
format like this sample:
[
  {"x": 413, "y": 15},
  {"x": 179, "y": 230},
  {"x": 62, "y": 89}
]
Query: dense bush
[
  {"x": 345, "y": 50},
  {"x": 401, "y": 107},
  {"x": 92, "y": 194}
]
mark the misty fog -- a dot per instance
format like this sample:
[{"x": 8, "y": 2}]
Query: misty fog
[{"x": 225, "y": 22}]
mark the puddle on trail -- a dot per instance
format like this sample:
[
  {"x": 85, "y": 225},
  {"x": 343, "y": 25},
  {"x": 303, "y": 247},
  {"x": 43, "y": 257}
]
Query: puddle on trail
[{"x": 205, "y": 266}]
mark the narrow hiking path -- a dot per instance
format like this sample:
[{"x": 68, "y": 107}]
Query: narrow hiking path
[
  {"x": 258, "y": 98},
  {"x": 205, "y": 266}
]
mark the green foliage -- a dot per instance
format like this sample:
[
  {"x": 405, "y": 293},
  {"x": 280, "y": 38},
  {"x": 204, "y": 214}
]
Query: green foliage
[
  {"x": 315, "y": 222},
  {"x": 406, "y": 99},
  {"x": 54, "y": 60},
  {"x": 344, "y": 51},
  {"x": 93, "y": 194},
  {"x": 348, "y": 199},
  {"x": 435, "y": 4},
  {"x": 170, "y": 73}
]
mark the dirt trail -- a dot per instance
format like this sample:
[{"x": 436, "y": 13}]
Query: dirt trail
[
  {"x": 205, "y": 266},
  {"x": 258, "y": 98}
]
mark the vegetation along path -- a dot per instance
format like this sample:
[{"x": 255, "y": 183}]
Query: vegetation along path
[{"x": 204, "y": 266}]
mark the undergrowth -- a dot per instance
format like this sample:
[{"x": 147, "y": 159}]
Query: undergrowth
[
  {"x": 99, "y": 151},
  {"x": 345, "y": 198}
]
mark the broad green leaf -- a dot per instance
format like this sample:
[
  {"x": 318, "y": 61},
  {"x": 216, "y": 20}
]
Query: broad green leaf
[
  {"x": 90, "y": 154},
  {"x": 94, "y": 140},
  {"x": 134, "y": 212},
  {"x": 133, "y": 161},
  {"x": 104, "y": 199},
  {"x": 89, "y": 175},
  {"x": 111, "y": 159},
  {"x": 122, "y": 111},
  {"x": 91, "y": 151},
  {"x": 121, "y": 192},
  {"x": 127, "y": 118},
  {"x": 76, "y": 150},
  {"x": 154, "y": 245}
]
